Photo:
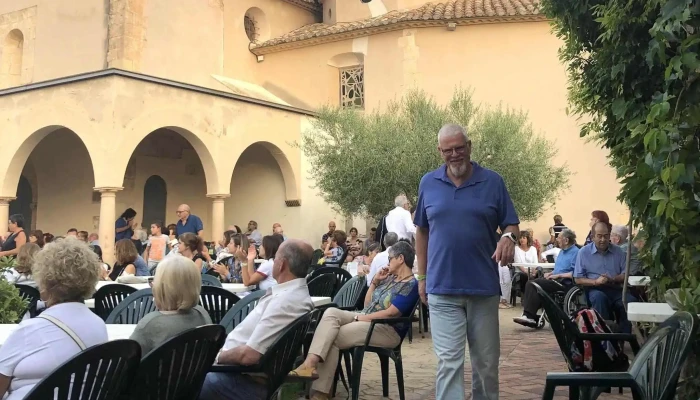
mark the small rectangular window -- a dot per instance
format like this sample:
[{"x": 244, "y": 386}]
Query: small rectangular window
[{"x": 352, "y": 87}]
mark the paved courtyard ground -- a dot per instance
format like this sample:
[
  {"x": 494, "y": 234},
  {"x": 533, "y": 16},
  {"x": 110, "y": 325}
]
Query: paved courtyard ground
[{"x": 526, "y": 357}]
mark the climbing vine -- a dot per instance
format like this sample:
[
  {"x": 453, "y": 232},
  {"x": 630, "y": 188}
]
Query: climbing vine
[{"x": 633, "y": 69}]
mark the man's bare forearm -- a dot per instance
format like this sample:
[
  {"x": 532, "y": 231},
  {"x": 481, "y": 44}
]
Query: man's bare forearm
[{"x": 422, "y": 250}]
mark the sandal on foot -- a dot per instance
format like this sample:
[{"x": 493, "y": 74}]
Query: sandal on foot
[
  {"x": 304, "y": 373},
  {"x": 504, "y": 306}
]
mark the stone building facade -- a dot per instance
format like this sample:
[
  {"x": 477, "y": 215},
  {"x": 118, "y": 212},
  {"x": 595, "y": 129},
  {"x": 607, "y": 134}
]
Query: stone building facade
[{"x": 110, "y": 104}]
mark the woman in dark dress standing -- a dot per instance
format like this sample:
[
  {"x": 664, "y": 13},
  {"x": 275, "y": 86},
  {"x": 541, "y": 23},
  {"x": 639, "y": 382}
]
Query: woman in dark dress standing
[{"x": 17, "y": 239}]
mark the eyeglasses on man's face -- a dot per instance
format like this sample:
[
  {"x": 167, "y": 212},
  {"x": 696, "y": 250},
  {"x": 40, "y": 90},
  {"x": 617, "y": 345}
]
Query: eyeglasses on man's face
[{"x": 454, "y": 150}]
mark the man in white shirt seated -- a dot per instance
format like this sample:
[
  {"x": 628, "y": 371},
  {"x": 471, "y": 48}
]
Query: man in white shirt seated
[
  {"x": 381, "y": 260},
  {"x": 252, "y": 338},
  {"x": 399, "y": 219}
]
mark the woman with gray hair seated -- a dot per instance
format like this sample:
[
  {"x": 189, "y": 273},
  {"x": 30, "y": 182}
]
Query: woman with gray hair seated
[
  {"x": 618, "y": 236},
  {"x": 392, "y": 293},
  {"x": 176, "y": 288},
  {"x": 66, "y": 272}
]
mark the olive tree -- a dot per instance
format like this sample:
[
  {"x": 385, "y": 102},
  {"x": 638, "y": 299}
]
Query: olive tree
[{"x": 361, "y": 160}]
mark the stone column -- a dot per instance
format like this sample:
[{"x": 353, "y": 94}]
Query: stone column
[
  {"x": 217, "y": 215},
  {"x": 108, "y": 204},
  {"x": 4, "y": 213}
]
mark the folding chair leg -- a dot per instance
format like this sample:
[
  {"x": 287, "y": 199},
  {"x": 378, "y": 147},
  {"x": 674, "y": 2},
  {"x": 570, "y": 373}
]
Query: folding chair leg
[
  {"x": 355, "y": 375},
  {"x": 384, "y": 364}
]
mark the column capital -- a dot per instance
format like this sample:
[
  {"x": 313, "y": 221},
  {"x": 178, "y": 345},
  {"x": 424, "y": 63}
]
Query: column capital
[
  {"x": 7, "y": 200},
  {"x": 219, "y": 196},
  {"x": 108, "y": 189}
]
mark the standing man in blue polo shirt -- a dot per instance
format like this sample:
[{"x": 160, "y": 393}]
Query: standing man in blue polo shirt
[
  {"x": 190, "y": 223},
  {"x": 461, "y": 207}
]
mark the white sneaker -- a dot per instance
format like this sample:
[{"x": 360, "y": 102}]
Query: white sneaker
[{"x": 524, "y": 320}]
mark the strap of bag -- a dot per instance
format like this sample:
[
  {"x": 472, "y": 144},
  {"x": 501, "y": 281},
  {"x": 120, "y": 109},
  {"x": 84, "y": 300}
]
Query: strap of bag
[{"x": 65, "y": 329}]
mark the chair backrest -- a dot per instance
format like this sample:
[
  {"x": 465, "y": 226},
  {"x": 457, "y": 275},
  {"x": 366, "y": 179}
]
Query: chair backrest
[
  {"x": 31, "y": 295},
  {"x": 564, "y": 328},
  {"x": 105, "y": 371},
  {"x": 279, "y": 358},
  {"x": 241, "y": 310},
  {"x": 209, "y": 280},
  {"x": 657, "y": 366},
  {"x": 350, "y": 293},
  {"x": 217, "y": 302},
  {"x": 134, "y": 307},
  {"x": 108, "y": 297},
  {"x": 176, "y": 369},
  {"x": 323, "y": 285},
  {"x": 341, "y": 275}
]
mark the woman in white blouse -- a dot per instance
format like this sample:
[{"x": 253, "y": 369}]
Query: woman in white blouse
[
  {"x": 66, "y": 272},
  {"x": 263, "y": 275},
  {"x": 526, "y": 253}
]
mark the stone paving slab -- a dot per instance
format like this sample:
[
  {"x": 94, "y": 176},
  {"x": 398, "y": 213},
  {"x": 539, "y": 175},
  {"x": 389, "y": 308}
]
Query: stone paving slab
[{"x": 526, "y": 357}]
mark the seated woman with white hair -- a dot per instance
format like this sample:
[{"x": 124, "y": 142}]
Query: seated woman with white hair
[
  {"x": 66, "y": 272},
  {"x": 176, "y": 288}
]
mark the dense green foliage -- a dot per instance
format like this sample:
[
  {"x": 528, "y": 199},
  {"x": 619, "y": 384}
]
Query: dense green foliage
[
  {"x": 361, "y": 161},
  {"x": 11, "y": 304},
  {"x": 633, "y": 67}
]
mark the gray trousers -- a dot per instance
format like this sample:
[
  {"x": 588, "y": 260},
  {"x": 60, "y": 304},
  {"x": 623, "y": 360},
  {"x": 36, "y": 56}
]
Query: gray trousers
[
  {"x": 223, "y": 386},
  {"x": 455, "y": 321}
]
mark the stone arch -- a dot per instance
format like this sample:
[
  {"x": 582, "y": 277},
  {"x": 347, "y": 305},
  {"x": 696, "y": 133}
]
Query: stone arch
[
  {"x": 291, "y": 187},
  {"x": 178, "y": 122},
  {"x": 17, "y": 159},
  {"x": 11, "y": 65}
]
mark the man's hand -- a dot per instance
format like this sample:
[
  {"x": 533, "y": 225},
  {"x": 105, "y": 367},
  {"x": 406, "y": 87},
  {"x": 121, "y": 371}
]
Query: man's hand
[
  {"x": 504, "y": 251},
  {"x": 422, "y": 292},
  {"x": 601, "y": 280},
  {"x": 549, "y": 275}
]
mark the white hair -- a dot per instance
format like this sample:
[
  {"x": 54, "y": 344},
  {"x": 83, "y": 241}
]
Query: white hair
[
  {"x": 450, "y": 130},
  {"x": 621, "y": 231},
  {"x": 400, "y": 200}
]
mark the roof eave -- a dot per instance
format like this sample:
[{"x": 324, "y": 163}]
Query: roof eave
[
  {"x": 313, "y": 7},
  {"x": 389, "y": 27}
]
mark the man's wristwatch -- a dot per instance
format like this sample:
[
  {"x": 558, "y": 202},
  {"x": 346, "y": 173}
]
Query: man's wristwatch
[
  {"x": 357, "y": 318},
  {"x": 510, "y": 236}
]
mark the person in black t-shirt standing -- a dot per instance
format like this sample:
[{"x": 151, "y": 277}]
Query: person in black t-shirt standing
[{"x": 556, "y": 229}]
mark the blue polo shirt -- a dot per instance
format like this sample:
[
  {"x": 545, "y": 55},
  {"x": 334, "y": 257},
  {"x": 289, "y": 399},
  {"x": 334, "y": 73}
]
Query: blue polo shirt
[
  {"x": 193, "y": 225},
  {"x": 462, "y": 224},
  {"x": 592, "y": 263},
  {"x": 566, "y": 261}
]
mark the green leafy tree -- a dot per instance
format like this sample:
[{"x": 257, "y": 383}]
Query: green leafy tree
[
  {"x": 633, "y": 68},
  {"x": 361, "y": 161}
]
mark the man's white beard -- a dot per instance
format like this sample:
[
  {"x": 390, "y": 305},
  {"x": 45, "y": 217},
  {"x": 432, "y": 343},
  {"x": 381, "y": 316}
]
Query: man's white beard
[{"x": 458, "y": 171}]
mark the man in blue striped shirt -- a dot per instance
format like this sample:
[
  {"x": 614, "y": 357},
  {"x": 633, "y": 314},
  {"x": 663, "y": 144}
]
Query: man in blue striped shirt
[{"x": 600, "y": 268}]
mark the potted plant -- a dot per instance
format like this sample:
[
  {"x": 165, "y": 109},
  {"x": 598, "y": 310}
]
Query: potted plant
[{"x": 12, "y": 306}]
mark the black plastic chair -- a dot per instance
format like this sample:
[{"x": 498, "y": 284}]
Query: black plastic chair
[
  {"x": 176, "y": 369},
  {"x": 241, "y": 310},
  {"x": 357, "y": 354},
  {"x": 31, "y": 295},
  {"x": 654, "y": 372},
  {"x": 134, "y": 307},
  {"x": 323, "y": 285},
  {"x": 209, "y": 280},
  {"x": 348, "y": 295},
  {"x": 217, "y": 302},
  {"x": 341, "y": 275},
  {"x": 279, "y": 359},
  {"x": 108, "y": 297},
  {"x": 568, "y": 335},
  {"x": 105, "y": 371}
]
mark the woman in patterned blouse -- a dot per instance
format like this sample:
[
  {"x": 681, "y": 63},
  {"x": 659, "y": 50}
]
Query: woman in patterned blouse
[
  {"x": 354, "y": 245},
  {"x": 393, "y": 293}
]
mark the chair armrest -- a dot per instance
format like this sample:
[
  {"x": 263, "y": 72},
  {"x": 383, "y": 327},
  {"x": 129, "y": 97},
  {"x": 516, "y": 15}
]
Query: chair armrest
[
  {"x": 590, "y": 379},
  {"x": 387, "y": 321},
  {"x": 239, "y": 369},
  {"x": 348, "y": 308},
  {"x": 626, "y": 337}
]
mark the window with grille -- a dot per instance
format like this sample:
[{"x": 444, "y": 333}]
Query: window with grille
[
  {"x": 352, "y": 87},
  {"x": 251, "y": 30}
]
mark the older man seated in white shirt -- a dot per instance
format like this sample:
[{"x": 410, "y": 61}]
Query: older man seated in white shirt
[
  {"x": 249, "y": 341},
  {"x": 399, "y": 219},
  {"x": 381, "y": 260}
]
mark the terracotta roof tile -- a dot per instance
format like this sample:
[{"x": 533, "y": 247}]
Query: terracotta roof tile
[{"x": 453, "y": 10}]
